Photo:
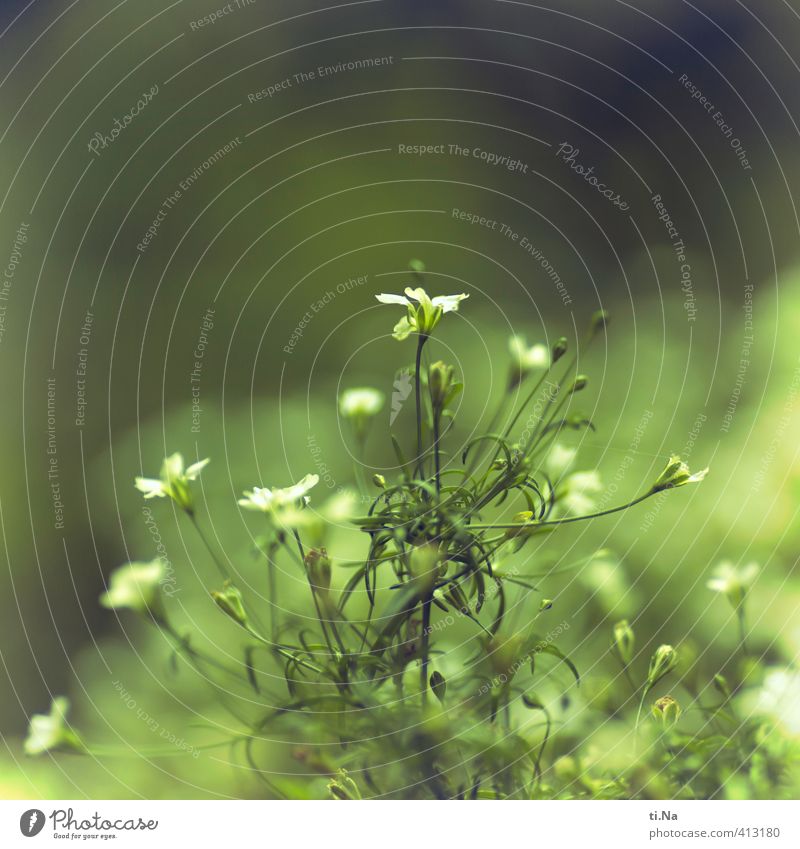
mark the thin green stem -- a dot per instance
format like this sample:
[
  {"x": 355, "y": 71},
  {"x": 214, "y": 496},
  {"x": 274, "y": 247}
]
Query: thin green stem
[
  {"x": 217, "y": 562},
  {"x": 436, "y": 457},
  {"x": 418, "y": 398},
  {"x": 740, "y": 616},
  {"x": 564, "y": 521},
  {"x": 426, "y": 645}
]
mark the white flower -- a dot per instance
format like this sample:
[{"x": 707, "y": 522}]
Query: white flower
[
  {"x": 274, "y": 500},
  {"x": 779, "y": 697},
  {"x": 525, "y": 359},
  {"x": 676, "y": 474},
  {"x": 732, "y": 582},
  {"x": 137, "y": 587},
  {"x": 173, "y": 482},
  {"x": 425, "y": 314},
  {"x": 559, "y": 461},
  {"x": 578, "y": 489},
  {"x": 49, "y": 732},
  {"x": 362, "y": 401},
  {"x": 360, "y": 405}
]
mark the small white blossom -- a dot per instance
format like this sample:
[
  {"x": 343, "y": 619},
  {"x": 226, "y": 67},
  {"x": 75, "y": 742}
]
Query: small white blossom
[
  {"x": 578, "y": 490},
  {"x": 424, "y": 315},
  {"x": 779, "y": 698},
  {"x": 137, "y": 587},
  {"x": 525, "y": 359},
  {"x": 50, "y": 732},
  {"x": 173, "y": 482},
  {"x": 559, "y": 461},
  {"x": 733, "y": 583},
  {"x": 361, "y": 402},
  {"x": 359, "y": 405},
  {"x": 272, "y": 501}
]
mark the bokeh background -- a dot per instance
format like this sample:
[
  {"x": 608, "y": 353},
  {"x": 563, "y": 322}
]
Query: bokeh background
[{"x": 274, "y": 189}]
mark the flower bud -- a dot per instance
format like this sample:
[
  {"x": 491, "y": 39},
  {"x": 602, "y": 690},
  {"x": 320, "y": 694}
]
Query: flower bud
[
  {"x": 599, "y": 321},
  {"x": 379, "y": 481},
  {"x": 229, "y": 600},
  {"x": 666, "y": 711},
  {"x": 722, "y": 686},
  {"x": 579, "y": 383},
  {"x": 675, "y": 474},
  {"x": 440, "y": 382},
  {"x": 318, "y": 566},
  {"x": 662, "y": 662},
  {"x": 624, "y": 641},
  {"x": 545, "y": 604},
  {"x": 417, "y": 266},
  {"x": 559, "y": 349},
  {"x": 438, "y": 685}
]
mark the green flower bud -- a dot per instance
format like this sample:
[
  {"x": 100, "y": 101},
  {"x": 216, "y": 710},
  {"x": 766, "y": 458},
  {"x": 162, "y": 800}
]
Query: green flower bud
[
  {"x": 229, "y": 600},
  {"x": 579, "y": 383},
  {"x": 676, "y": 474},
  {"x": 318, "y": 566},
  {"x": 438, "y": 685},
  {"x": 663, "y": 661},
  {"x": 559, "y": 349},
  {"x": 440, "y": 383},
  {"x": 666, "y": 711},
  {"x": 545, "y": 604},
  {"x": 624, "y": 641},
  {"x": 379, "y": 481},
  {"x": 722, "y": 686},
  {"x": 599, "y": 321}
]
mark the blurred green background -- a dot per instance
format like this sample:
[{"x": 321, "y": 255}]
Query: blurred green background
[{"x": 314, "y": 191}]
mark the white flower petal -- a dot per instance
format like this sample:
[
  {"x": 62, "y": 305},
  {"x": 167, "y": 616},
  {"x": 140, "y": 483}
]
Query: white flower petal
[
  {"x": 448, "y": 303},
  {"x": 151, "y": 487},
  {"x": 392, "y": 299},
  {"x": 194, "y": 470}
]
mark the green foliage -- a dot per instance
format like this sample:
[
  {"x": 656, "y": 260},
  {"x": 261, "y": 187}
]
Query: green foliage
[{"x": 430, "y": 667}]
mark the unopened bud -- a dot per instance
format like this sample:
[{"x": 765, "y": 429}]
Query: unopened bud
[
  {"x": 438, "y": 685},
  {"x": 559, "y": 348},
  {"x": 624, "y": 641},
  {"x": 662, "y": 662},
  {"x": 579, "y": 383},
  {"x": 599, "y": 321},
  {"x": 666, "y": 711},
  {"x": 379, "y": 481},
  {"x": 722, "y": 686},
  {"x": 318, "y": 566},
  {"x": 229, "y": 601},
  {"x": 440, "y": 382}
]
